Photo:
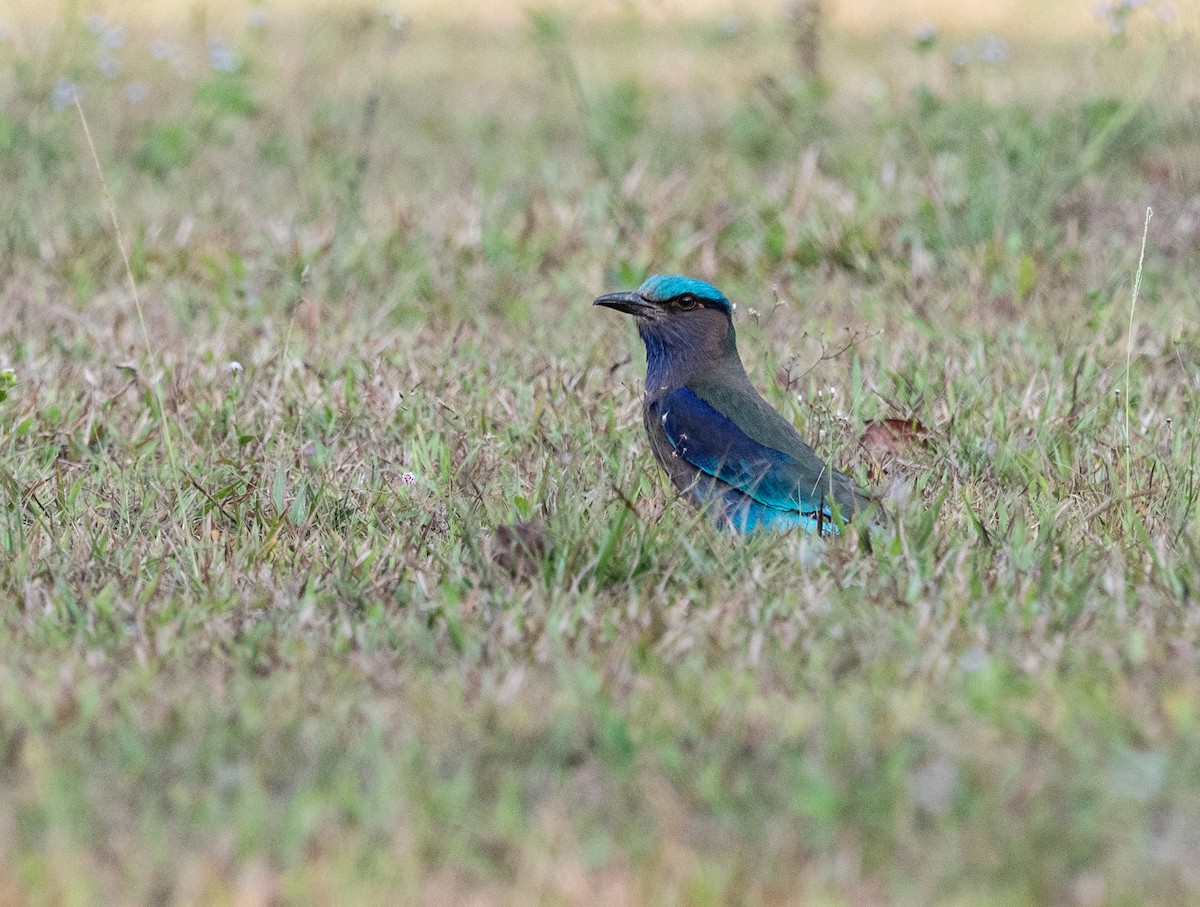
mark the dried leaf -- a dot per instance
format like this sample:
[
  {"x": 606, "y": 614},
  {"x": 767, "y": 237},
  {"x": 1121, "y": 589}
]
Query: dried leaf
[
  {"x": 885, "y": 440},
  {"x": 893, "y": 436},
  {"x": 518, "y": 547}
]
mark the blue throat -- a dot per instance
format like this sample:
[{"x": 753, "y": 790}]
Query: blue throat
[
  {"x": 668, "y": 355},
  {"x": 676, "y": 353}
]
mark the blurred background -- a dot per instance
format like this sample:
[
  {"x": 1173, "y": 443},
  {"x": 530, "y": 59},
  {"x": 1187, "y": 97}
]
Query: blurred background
[{"x": 762, "y": 141}]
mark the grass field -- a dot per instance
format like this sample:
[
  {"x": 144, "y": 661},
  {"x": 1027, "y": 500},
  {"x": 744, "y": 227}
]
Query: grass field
[{"x": 260, "y": 641}]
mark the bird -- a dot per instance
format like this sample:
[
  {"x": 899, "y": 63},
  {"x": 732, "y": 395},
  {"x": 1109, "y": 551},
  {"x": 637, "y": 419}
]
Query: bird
[{"x": 720, "y": 442}]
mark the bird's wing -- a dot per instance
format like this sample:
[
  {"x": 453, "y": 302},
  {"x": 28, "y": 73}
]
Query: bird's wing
[{"x": 714, "y": 444}]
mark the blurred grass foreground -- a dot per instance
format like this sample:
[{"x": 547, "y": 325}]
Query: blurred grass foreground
[{"x": 333, "y": 564}]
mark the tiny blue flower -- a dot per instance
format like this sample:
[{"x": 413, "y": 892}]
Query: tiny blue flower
[
  {"x": 136, "y": 92},
  {"x": 113, "y": 37},
  {"x": 161, "y": 49},
  {"x": 993, "y": 50},
  {"x": 221, "y": 57},
  {"x": 64, "y": 94},
  {"x": 925, "y": 35},
  {"x": 109, "y": 66}
]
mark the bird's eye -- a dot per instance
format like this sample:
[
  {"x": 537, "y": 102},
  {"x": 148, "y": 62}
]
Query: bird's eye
[{"x": 687, "y": 302}]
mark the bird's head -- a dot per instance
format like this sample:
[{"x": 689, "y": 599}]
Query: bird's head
[{"x": 677, "y": 314}]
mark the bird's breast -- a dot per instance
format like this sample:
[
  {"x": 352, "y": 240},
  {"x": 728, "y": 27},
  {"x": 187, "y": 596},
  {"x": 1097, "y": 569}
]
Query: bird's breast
[{"x": 682, "y": 473}]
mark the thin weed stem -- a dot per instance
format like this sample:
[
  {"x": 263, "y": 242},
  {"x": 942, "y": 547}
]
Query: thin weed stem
[
  {"x": 137, "y": 303},
  {"x": 133, "y": 289},
  {"x": 1137, "y": 285}
]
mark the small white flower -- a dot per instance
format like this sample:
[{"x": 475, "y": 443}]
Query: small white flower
[
  {"x": 408, "y": 479},
  {"x": 973, "y": 660},
  {"x": 234, "y": 367},
  {"x": 396, "y": 20}
]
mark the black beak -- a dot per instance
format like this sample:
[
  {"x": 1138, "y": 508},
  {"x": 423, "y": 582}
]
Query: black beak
[{"x": 631, "y": 303}]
